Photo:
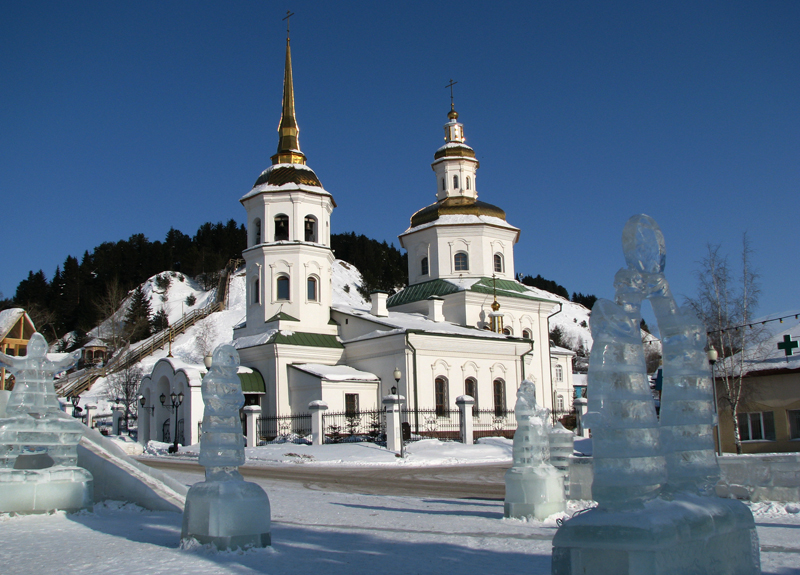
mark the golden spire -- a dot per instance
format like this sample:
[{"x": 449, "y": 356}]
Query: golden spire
[{"x": 288, "y": 144}]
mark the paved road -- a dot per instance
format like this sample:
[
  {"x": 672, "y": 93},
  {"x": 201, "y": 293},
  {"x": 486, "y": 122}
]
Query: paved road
[{"x": 462, "y": 482}]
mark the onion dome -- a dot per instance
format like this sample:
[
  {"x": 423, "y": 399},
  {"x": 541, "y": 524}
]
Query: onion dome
[{"x": 456, "y": 205}]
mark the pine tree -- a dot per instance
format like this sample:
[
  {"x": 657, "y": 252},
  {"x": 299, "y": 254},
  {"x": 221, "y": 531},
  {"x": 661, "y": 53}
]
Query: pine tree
[
  {"x": 160, "y": 321},
  {"x": 137, "y": 320}
]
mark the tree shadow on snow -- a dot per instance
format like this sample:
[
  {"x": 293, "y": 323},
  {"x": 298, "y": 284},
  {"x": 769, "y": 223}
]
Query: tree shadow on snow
[{"x": 462, "y": 513}]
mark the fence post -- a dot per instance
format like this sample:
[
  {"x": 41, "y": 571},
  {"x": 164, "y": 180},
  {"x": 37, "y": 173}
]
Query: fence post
[
  {"x": 394, "y": 437},
  {"x": 581, "y": 406},
  {"x": 252, "y": 412},
  {"x": 116, "y": 416},
  {"x": 465, "y": 404},
  {"x": 317, "y": 407}
]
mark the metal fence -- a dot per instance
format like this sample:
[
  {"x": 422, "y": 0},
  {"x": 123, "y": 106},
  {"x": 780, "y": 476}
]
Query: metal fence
[
  {"x": 269, "y": 428},
  {"x": 342, "y": 426},
  {"x": 493, "y": 423},
  {"x": 432, "y": 423}
]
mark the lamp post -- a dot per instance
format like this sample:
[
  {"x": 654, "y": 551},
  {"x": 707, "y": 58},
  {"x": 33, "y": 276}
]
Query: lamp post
[
  {"x": 712, "y": 359},
  {"x": 76, "y": 410},
  {"x": 175, "y": 402},
  {"x": 142, "y": 402},
  {"x": 397, "y": 375}
]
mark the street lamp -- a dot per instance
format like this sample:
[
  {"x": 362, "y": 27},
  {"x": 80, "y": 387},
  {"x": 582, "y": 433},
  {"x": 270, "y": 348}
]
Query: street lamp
[
  {"x": 712, "y": 359},
  {"x": 175, "y": 402},
  {"x": 397, "y": 375},
  {"x": 142, "y": 402},
  {"x": 76, "y": 410}
]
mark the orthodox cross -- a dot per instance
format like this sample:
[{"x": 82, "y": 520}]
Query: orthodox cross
[
  {"x": 450, "y": 85},
  {"x": 787, "y": 345},
  {"x": 289, "y": 14}
]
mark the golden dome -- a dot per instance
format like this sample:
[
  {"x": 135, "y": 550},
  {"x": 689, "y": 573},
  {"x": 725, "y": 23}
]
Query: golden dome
[
  {"x": 286, "y": 174},
  {"x": 454, "y": 206}
]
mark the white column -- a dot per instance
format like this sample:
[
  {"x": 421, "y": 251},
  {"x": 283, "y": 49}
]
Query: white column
[
  {"x": 581, "y": 406},
  {"x": 394, "y": 436},
  {"x": 465, "y": 404},
  {"x": 317, "y": 408},
  {"x": 251, "y": 412},
  {"x": 89, "y": 409},
  {"x": 116, "y": 416}
]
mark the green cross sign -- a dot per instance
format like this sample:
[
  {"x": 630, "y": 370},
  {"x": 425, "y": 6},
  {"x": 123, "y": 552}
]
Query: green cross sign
[{"x": 787, "y": 345}]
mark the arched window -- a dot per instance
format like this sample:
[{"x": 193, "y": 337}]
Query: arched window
[
  {"x": 256, "y": 232},
  {"x": 499, "y": 397},
  {"x": 455, "y": 182},
  {"x": 256, "y": 295},
  {"x": 283, "y": 287},
  {"x": 560, "y": 403},
  {"x": 424, "y": 266},
  {"x": 498, "y": 263},
  {"x": 471, "y": 389},
  {"x": 312, "y": 289},
  {"x": 444, "y": 184},
  {"x": 311, "y": 229},
  {"x": 281, "y": 227},
  {"x": 461, "y": 262},
  {"x": 559, "y": 373},
  {"x": 526, "y": 333},
  {"x": 440, "y": 392},
  {"x": 468, "y": 183},
  {"x": 507, "y": 331}
]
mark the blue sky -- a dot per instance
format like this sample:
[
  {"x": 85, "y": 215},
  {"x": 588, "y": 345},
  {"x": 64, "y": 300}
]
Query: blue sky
[{"x": 119, "y": 118}]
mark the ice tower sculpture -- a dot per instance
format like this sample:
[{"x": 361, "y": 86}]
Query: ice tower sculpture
[
  {"x": 533, "y": 486},
  {"x": 656, "y": 512},
  {"x": 39, "y": 442},
  {"x": 224, "y": 510}
]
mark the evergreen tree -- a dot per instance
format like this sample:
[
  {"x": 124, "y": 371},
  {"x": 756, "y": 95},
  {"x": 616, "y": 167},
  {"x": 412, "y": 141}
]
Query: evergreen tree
[
  {"x": 585, "y": 300},
  {"x": 541, "y": 283},
  {"x": 160, "y": 321},
  {"x": 137, "y": 320}
]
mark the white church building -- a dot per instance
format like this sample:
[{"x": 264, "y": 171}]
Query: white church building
[{"x": 462, "y": 326}]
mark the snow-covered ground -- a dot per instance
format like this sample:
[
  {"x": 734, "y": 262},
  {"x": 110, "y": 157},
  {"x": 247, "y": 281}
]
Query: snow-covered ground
[{"x": 328, "y": 533}]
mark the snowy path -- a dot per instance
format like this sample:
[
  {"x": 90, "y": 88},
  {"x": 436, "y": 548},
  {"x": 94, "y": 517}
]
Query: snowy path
[{"x": 330, "y": 533}]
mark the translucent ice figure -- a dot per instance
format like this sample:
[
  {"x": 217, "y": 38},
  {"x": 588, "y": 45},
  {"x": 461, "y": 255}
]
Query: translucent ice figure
[
  {"x": 628, "y": 466},
  {"x": 39, "y": 442},
  {"x": 224, "y": 510},
  {"x": 533, "y": 486},
  {"x": 687, "y": 407}
]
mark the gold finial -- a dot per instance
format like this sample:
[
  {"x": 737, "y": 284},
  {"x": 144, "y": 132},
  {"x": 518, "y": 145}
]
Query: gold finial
[
  {"x": 495, "y": 303},
  {"x": 452, "y": 114},
  {"x": 289, "y": 14},
  {"x": 288, "y": 142}
]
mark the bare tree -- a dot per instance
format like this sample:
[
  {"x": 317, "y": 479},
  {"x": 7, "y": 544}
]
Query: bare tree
[
  {"x": 108, "y": 306},
  {"x": 205, "y": 337},
  {"x": 123, "y": 387},
  {"x": 726, "y": 306}
]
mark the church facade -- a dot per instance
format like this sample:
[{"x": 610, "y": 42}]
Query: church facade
[{"x": 462, "y": 326}]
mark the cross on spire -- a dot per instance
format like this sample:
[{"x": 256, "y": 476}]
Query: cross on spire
[
  {"x": 787, "y": 345},
  {"x": 450, "y": 85},
  {"x": 289, "y": 14}
]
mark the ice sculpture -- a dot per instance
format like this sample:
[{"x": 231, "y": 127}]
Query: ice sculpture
[
  {"x": 656, "y": 514},
  {"x": 533, "y": 486},
  {"x": 687, "y": 401},
  {"x": 224, "y": 510},
  {"x": 39, "y": 442}
]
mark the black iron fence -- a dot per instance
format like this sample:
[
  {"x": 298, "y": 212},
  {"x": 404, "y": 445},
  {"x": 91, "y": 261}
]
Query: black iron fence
[
  {"x": 493, "y": 423},
  {"x": 432, "y": 423},
  {"x": 343, "y": 426},
  {"x": 283, "y": 427}
]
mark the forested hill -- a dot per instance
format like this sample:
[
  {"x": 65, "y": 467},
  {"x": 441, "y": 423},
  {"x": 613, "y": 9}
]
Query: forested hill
[{"x": 82, "y": 293}]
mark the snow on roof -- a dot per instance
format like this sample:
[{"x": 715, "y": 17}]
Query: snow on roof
[
  {"x": 767, "y": 355},
  {"x": 253, "y": 340},
  {"x": 9, "y": 317},
  {"x": 96, "y": 342},
  {"x": 561, "y": 350},
  {"x": 399, "y": 322},
  {"x": 461, "y": 219},
  {"x": 453, "y": 145},
  {"x": 336, "y": 372}
]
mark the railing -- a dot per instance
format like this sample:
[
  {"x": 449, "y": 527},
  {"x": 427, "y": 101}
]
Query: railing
[
  {"x": 493, "y": 423},
  {"x": 130, "y": 356},
  {"x": 283, "y": 427},
  {"x": 361, "y": 426},
  {"x": 433, "y": 423}
]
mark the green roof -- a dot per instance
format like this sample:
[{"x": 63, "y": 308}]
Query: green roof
[
  {"x": 280, "y": 315},
  {"x": 252, "y": 382},
  {"x": 306, "y": 339},
  {"x": 439, "y": 287},
  {"x": 421, "y": 291},
  {"x": 507, "y": 288}
]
